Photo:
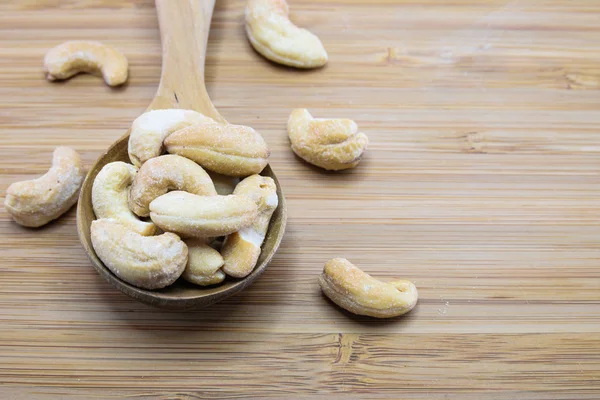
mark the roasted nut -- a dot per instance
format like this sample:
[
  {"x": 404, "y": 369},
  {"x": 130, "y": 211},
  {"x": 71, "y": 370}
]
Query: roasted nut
[
  {"x": 232, "y": 150},
  {"x": 332, "y": 144},
  {"x": 204, "y": 264},
  {"x": 354, "y": 290},
  {"x": 224, "y": 184},
  {"x": 161, "y": 174},
  {"x": 241, "y": 249},
  {"x": 273, "y": 35},
  {"x": 38, "y": 201},
  {"x": 70, "y": 58},
  {"x": 109, "y": 197},
  {"x": 191, "y": 215},
  {"x": 150, "y": 129},
  {"x": 148, "y": 262}
]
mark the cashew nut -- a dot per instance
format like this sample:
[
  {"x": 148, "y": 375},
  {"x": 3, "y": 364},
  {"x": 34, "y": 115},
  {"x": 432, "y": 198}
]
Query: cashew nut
[
  {"x": 38, "y": 201},
  {"x": 204, "y": 264},
  {"x": 109, "y": 197},
  {"x": 148, "y": 262},
  {"x": 273, "y": 35},
  {"x": 354, "y": 290},
  {"x": 169, "y": 172},
  {"x": 242, "y": 249},
  {"x": 70, "y": 58},
  {"x": 150, "y": 129},
  {"x": 202, "y": 216},
  {"x": 332, "y": 144},
  {"x": 233, "y": 150}
]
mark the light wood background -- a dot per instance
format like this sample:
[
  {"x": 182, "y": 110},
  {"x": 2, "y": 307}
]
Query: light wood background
[{"x": 481, "y": 184}]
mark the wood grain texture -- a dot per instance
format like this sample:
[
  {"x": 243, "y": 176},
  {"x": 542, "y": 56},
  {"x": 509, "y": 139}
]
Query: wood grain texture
[{"x": 481, "y": 184}]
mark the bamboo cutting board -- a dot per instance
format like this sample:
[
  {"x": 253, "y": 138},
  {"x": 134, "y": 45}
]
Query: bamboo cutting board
[{"x": 481, "y": 185}]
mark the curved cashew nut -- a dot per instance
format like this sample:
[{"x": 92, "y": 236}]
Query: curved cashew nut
[
  {"x": 273, "y": 35},
  {"x": 70, "y": 58},
  {"x": 332, "y": 144},
  {"x": 358, "y": 292},
  {"x": 148, "y": 262},
  {"x": 232, "y": 150},
  {"x": 242, "y": 249},
  {"x": 150, "y": 129},
  {"x": 169, "y": 172},
  {"x": 109, "y": 197},
  {"x": 202, "y": 216},
  {"x": 204, "y": 264},
  {"x": 38, "y": 201}
]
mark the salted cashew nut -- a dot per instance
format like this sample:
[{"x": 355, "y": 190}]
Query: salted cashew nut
[
  {"x": 358, "y": 292},
  {"x": 242, "y": 249},
  {"x": 273, "y": 35},
  {"x": 191, "y": 215},
  {"x": 204, "y": 264},
  {"x": 36, "y": 202},
  {"x": 109, "y": 197},
  {"x": 161, "y": 174},
  {"x": 333, "y": 144},
  {"x": 232, "y": 150},
  {"x": 148, "y": 262},
  {"x": 72, "y": 57},
  {"x": 149, "y": 130}
]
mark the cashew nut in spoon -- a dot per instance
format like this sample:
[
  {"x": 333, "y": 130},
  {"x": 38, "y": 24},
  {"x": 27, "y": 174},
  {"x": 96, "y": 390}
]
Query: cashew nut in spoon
[
  {"x": 332, "y": 144},
  {"x": 191, "y": 215},
  {"x": 204, "y": 264},
  {"x": 273, "y": 35},
  {"x": 358, "y": 292},
  {"x": 38, "y": 201},
  {"x": 148, "y": 262},
  {"x": 149, "y": 130},
  {"x": 110, "y": 197},
  {"x": 232, "y": 150},
  {"x": 72, "y": 57},
  {"x": 169, "y": 172},
  {"x": 242, "y": 249}
]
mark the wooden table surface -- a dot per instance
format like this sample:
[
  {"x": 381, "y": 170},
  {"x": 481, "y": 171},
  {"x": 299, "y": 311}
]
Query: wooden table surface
[{"x": 481, "y": 185}]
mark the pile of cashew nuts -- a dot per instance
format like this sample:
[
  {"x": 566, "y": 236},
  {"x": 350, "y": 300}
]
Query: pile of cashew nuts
[{"x": 186, "y": 214}]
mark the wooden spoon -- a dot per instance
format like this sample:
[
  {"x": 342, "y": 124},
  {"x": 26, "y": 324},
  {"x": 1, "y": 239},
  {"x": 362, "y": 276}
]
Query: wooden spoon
[{"x": 184, "y": 26}]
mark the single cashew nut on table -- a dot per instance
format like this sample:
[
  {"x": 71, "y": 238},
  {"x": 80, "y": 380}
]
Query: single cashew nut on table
[
  {"x": 169, "y": 172},
  {"x": 358, "y": 292},
  {"x": 70, "y": 58},
  {"x": 273, "y": 35},
  {"x": 149, "y": 130},
  {"x": 204, "y": 264},
  {"x": 191, "y": 215},
  {"x": 148, "y": 262},
  {"x": 242, "y": 249},
  {"x": 332, "y": 144},
  {"x": 38, "y": 201},
  {"x": 232, "y": 150},
  {"x": 110, "y": 193}
]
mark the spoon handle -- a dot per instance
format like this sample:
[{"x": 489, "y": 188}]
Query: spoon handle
[{"x": 184, "y": 27}]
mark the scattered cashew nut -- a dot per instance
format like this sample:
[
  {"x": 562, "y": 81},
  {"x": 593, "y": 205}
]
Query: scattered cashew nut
[
  {"x": 273, "y": 35},
  {"x": 191, "y": 215},
  {"x": 38, "y": 201},
  {"x": 204, "y": 264},
  {"x": 242, "y": 249},
  {"x": 232, "y": 150},
  {"x": 109, "y": 197},
  {"x": 150, "y": 129},
  {"x": 148, "y": 262},
  {"x": 356, "y": 291},
  {"x": 72, "y": 57},
  {"x": 333, "y": 144},
  {"x": 169, "y": 172}
]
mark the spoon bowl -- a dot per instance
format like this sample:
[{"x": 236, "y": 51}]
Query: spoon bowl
[{"x": 184, "y": 26}]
